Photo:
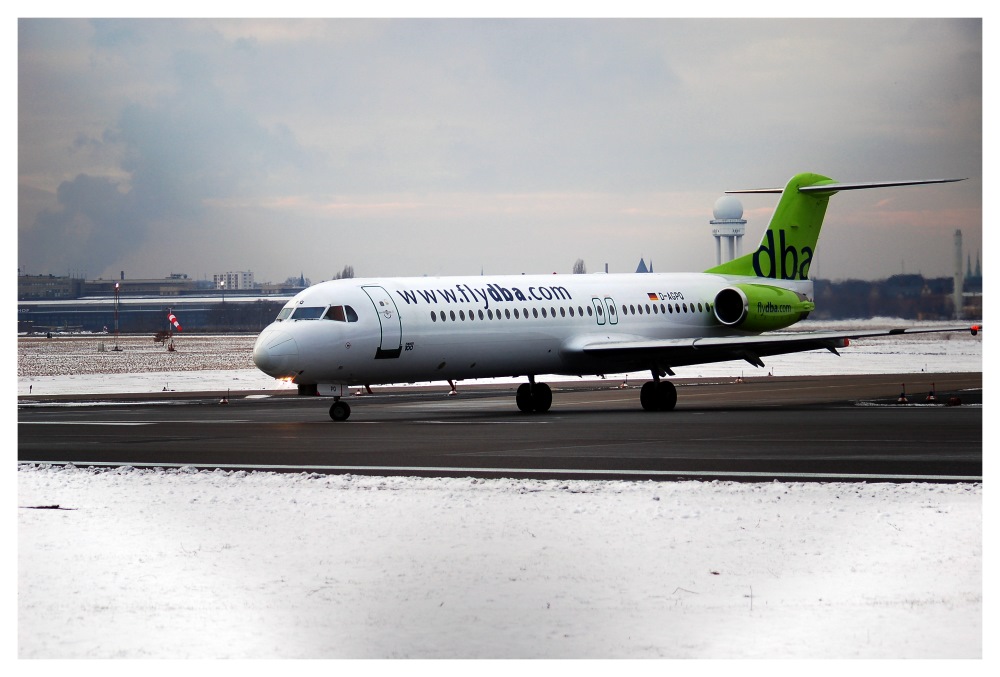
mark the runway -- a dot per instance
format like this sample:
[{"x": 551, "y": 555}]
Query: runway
[{"x": 794, "y": 428}]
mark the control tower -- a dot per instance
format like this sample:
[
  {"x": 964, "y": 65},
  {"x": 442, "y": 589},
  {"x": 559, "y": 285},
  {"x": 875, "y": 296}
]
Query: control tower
[{"x": 730, "y": 225}]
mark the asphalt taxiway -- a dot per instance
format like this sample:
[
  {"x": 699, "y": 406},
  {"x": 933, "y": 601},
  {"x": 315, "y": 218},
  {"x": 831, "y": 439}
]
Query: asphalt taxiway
[{"x": 821, "y": 428}]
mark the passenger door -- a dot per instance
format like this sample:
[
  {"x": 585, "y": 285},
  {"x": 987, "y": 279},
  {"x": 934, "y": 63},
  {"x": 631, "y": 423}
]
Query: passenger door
[{"x": 391, "y": 343}]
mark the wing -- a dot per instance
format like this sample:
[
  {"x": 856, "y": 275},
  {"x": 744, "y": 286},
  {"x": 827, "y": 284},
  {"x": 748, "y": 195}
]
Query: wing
[{"x": 668, "y": 353}]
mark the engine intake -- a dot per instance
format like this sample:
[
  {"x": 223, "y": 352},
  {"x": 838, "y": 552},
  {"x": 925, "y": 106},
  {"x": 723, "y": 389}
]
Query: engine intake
[{"x": 759, "y": 307}]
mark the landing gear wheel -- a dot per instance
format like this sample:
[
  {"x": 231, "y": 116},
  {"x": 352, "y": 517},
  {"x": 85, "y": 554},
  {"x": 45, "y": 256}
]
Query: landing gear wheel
[
  {"x": 533, "y": 399},
  {"x": 541, "y": 398},
  {"x": 658, "y": 396},
  {"x": 647, "y": 396},
  {"x": 523, "y": 397},
  {"x": 666, "y": 395},
  {"x": 340, "y": 411}
]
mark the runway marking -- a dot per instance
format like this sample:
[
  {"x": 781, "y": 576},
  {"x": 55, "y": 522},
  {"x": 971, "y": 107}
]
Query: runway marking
[
  {"x": 434, "y": 422},
  {"x": 186, "y": 421},
  {"x": 518, "y": 471},
  {"x": 85, "y": 423}
]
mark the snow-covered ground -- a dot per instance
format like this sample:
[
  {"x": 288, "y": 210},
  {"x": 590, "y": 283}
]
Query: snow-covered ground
[
  {"x": 183, "y": 563},
  {"x": 250, "y": 565}
]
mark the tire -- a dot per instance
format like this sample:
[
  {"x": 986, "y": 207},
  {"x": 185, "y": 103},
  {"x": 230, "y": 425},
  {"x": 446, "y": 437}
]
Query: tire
[
  {"x": 666, "y": 396},
  {"x": 647, "y": 396},
  {"x": 658, "y": 396},
  {"x": 340, "y": 411},
  {"x": 523, "y": 398},
  {"x": 541, "y": 398}
]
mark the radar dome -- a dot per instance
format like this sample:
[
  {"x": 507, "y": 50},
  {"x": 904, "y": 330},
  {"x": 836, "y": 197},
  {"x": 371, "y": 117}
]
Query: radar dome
[{"x": 727, "y": 208}]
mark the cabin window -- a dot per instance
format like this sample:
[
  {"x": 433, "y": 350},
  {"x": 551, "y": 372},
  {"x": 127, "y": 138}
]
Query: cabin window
[
  {"x": 434, "y": 317},
  {"x": 699, "y": 308},
  {"x": 656, "y": 310},
  {"x": 534, "y": 311},
  {"x": 452, "y": 315},
  {"x": 562, "y": 312},
  {"x": 670, "y": 309},
  {"x": 663, "y": 311}
]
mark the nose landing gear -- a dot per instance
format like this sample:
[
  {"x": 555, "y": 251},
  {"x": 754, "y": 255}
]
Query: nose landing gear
[{"x": 340, "y": 410}]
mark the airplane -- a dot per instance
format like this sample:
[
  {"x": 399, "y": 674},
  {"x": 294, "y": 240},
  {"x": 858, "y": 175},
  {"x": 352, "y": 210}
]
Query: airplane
[{"x": 347, "y": 332}]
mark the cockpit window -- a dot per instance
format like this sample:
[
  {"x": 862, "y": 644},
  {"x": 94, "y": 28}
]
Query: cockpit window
[
  {"x": 308, "y": 313},
  {"x": 285, "y": 312},
  {"x": 341, "y": 314}
]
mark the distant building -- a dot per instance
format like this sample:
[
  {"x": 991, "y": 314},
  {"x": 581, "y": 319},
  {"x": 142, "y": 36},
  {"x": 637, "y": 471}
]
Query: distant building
[
  {"x": 48, "y": 287},
  {"x": 642, "y": 267},
  {"x": 175, "y": 285},
  {"x": 242, "y": 279}
]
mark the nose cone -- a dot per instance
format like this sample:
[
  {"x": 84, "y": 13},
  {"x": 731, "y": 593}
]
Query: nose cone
[{"x": 275, "y": 352}]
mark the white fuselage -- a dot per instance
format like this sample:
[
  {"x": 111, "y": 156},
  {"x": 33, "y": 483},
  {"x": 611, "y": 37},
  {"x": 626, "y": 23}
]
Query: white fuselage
[{"x": 368, "y": 331}]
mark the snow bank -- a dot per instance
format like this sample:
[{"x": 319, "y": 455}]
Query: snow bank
[{"x": 234, "y": 564}]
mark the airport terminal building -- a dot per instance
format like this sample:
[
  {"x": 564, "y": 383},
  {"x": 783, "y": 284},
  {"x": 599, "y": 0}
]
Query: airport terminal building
[
  {"x": 48, "y": 303},
  {"x": 149, "y": 314}
]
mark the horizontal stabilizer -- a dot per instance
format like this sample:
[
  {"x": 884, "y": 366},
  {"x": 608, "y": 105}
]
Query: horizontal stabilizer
[{"x": 836, "y": 187}]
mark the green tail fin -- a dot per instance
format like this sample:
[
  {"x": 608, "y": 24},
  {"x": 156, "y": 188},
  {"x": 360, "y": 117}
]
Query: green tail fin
[{"x": 787, "y": 248}]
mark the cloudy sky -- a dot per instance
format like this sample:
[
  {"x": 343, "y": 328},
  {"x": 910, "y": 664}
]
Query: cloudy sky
[{"x": 436, "y": 146}]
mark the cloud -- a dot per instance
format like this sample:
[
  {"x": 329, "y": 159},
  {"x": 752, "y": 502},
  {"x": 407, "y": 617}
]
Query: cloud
[
  {"x": 137, "y": 136},
  {"x": 187, "y": 148}
]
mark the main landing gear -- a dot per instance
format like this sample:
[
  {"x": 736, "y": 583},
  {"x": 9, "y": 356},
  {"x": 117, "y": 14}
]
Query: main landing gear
[
  {"x": 658, "y": 396},
  {"x": 340, "y": 410},
  {"x": 533, "y": 397}
]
